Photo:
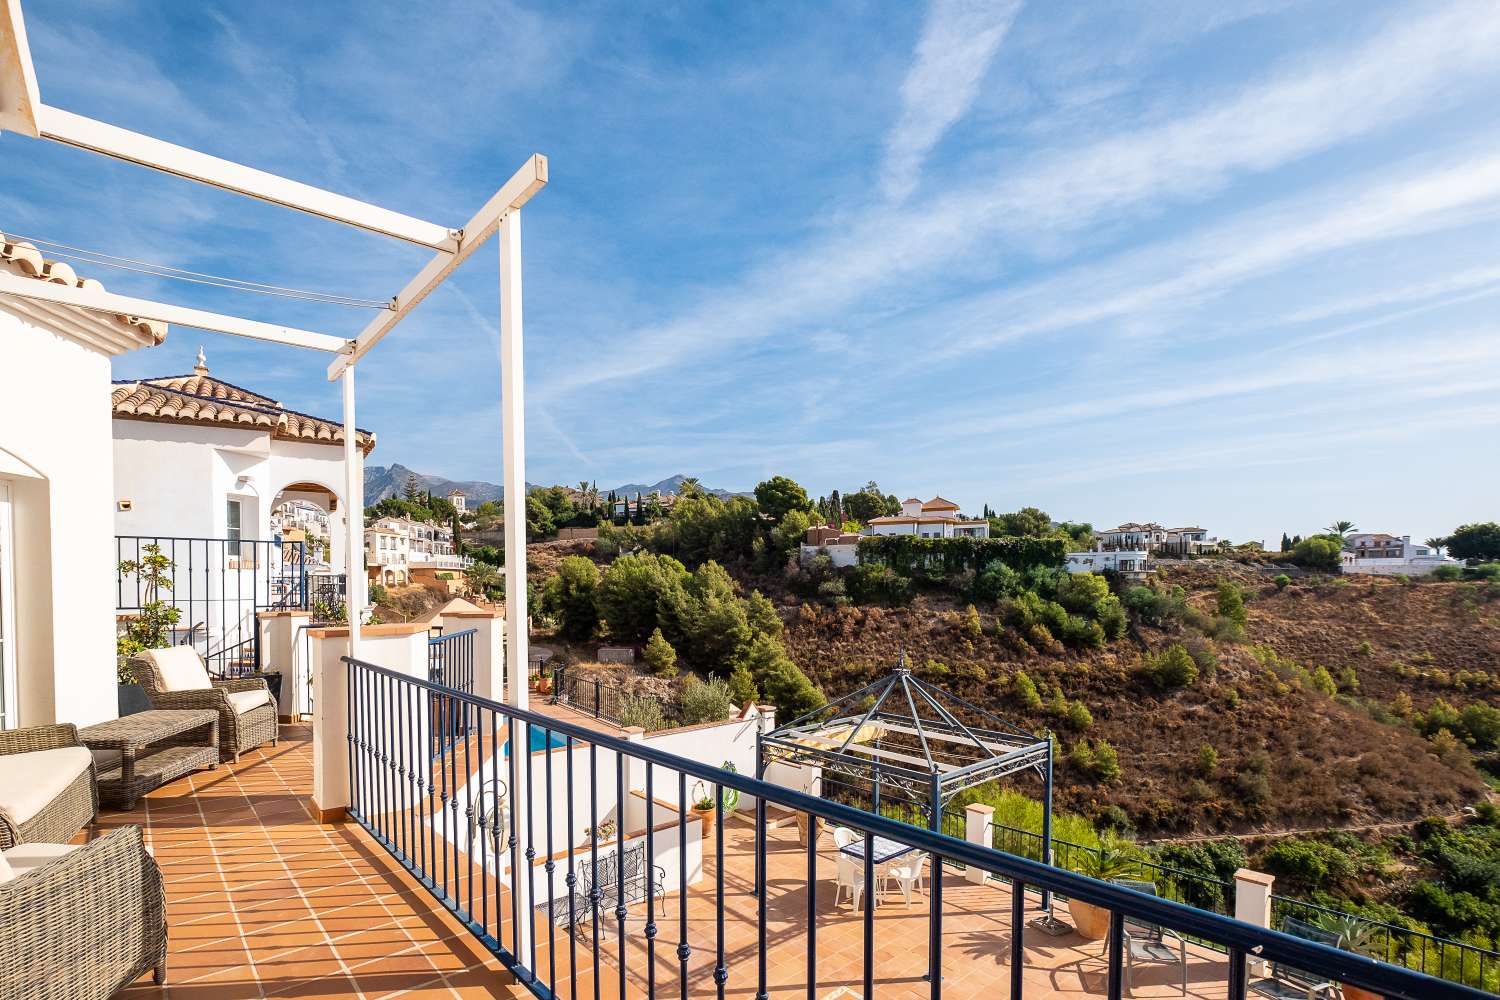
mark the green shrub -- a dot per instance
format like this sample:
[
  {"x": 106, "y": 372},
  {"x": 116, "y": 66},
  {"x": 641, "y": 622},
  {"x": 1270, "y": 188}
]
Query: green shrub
[
  {"x": 870, "y": 583},
  {"x": 1282, "y": 581},
  {"x": 973, "y": 627},
  {"x": 1080, "y": 592},
  {"x": 1319, "y": 552},
  {"x": 1097, "y": 759},
  {"x": 1231, "y": 603},
  {"x": 571, "y": 597},
  {"x": 1447, "y": 573},
  {"x": 1171, "y": 668},
  {"x": 1208, "y": 760},
  {"x": 1024, "y": 690},
  {"x": 1078, "y": 716},
  {"x": 660, "y": 656},
  {"x": 742, "y": 690},
  {"x": 704, "y": 701},
  {"x": 1307, "y": 864},
  {"x": 1323, "y": 682},
  {"x": 643, "y": 711}
]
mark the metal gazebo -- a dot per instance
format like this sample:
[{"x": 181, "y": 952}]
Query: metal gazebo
[{"x": 902, "y": 738}]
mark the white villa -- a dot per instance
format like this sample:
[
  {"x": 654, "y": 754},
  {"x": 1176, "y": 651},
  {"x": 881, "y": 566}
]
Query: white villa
[
  {"x": 398, "y": 548},
  {"x": 935, "y": 518},
  {"x": 235, "y": 457},
  {"x": 1155, "y": 539},
  {"x": 1132, "y": 564},
  {"x": 1378, "y": 554},
  {"x": 459, "y": 501}
]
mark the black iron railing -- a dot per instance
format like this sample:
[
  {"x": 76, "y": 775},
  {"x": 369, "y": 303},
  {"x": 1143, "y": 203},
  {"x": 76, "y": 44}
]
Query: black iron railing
[
  {"x": 450, "y": 664},
  {"x": 589, "y": 695},
  {"x": 218, "y": 585},
  {"x": 501, "y": 865}
]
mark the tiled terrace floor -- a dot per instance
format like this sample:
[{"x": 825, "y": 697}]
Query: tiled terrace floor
[{"x": 264, "y": 902}]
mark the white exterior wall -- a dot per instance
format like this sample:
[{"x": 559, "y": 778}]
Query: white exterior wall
[
  {"x": 1098, "y": 562},
  {"x": 55, "y": 457},
  {"x": 1415, "y": 566},
  {"x": 842, "y": 555},
  {"x": 178, "y": 477}
]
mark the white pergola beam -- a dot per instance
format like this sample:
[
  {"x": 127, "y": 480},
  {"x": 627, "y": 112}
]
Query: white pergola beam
[
  {"x": 514, "y": 193},
  {"x": 99, "y": 300},
  {"x": 19, "y": 97},
  {"x": 132, "y": 147}
]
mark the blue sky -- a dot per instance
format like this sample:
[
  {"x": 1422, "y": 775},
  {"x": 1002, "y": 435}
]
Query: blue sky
[{"x": 1227, "y": 264}]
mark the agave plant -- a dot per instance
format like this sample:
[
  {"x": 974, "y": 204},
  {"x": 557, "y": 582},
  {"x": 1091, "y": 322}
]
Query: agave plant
[
  {"x": 1114, "y": 859},
  {"x": 1353, "y": 933}
]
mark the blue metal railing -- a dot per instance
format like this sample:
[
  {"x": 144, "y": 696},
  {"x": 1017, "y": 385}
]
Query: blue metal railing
[{"x": 422, "y": 810}]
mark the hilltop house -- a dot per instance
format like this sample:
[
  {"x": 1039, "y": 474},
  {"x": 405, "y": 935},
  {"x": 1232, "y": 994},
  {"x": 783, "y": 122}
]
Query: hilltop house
[
  {"x": 935, "y": 518},
  {"x": 1130, "y": 563},
  {"x": 459, "y": 501},
  {"x": 1156, "y": 540},
  {"x": 57, "y": 581},
  {"x": 400, "y": 551},
  {"x": 1381, "y": 554}
]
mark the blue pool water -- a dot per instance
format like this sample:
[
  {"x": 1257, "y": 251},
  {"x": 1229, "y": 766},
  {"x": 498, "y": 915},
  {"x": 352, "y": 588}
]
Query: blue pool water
[{"x": 542, "y": 740}]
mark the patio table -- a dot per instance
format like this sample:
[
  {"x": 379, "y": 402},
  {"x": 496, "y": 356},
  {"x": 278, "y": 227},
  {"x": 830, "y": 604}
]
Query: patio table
[
  {"x": 885, "y": 850},
  {"x": 155, "y": 747}
]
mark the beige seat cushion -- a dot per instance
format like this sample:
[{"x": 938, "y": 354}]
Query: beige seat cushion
[
  {"x": 245, "y": 701},
  {"x": 24, "y": 858},
  {"x": 180, "y": 668},
  {"x": 30, "y": 781}
]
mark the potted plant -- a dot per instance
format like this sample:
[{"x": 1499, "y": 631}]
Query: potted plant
[
  {"x": 1355, "y": 935},
  {"x": 604, "y": 831},
  {"x": 543, "y": 684},
  {"x": 1114, "y": 859},
  {"x": 150, "y": 629},
  {"x": 703, "y": 801}
]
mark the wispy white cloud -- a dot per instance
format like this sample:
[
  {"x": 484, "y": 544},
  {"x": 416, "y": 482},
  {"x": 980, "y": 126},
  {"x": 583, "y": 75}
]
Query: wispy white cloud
[{"x": 959, "y": 40}]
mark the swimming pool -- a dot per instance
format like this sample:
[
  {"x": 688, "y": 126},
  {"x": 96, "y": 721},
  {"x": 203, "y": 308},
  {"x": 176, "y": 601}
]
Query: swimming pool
[{"x": 542, "y": 740}]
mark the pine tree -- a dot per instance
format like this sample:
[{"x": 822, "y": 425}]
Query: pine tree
[
  {"x": 412, "y": 491},
  {"x": 1286, "y": 542}
]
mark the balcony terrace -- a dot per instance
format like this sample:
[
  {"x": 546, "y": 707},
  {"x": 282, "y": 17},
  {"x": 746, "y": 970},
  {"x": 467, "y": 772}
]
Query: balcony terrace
[{"x": 263, "y": 901}]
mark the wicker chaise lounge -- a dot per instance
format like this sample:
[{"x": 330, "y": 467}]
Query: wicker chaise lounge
[
  {"x": 176, "y": 678},
  {"x": 47, "y": 787},
  {"x": 81, "y": 922}
]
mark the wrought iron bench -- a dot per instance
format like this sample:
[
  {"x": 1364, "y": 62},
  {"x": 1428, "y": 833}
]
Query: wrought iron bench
[{"x": 606, "y": 878}]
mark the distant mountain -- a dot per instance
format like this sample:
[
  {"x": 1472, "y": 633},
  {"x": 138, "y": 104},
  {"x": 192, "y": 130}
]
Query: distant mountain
[{"x": 383, "y": 481}]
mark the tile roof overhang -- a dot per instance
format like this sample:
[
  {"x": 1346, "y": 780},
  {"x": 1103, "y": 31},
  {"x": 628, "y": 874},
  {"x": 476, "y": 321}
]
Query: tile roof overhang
[
  {"x": 113, "y": 333},
  {"x": 200, "y": 399}
]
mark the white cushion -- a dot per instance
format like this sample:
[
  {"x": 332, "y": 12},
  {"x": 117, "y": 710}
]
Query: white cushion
[
  {"x": 24, "y": 858},
  {"x": 245, "y": 701},
  {"x": 6, "y": 874},
  {"x": 180, "y": 668},
  {"x": 30, "y": 781}
]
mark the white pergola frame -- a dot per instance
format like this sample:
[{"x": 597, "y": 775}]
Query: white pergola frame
[{"x": 22, "y": 112}]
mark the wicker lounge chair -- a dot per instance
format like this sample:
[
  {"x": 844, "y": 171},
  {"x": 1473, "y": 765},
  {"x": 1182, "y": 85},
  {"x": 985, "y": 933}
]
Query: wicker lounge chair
[
  {"x": 47, "y": 787},
  {"x": 176, "y": 678},
  {"x": 81, "y": 922}
]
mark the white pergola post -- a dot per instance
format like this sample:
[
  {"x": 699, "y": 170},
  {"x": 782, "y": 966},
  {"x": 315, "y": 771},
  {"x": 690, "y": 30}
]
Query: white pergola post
[
  {"x": 354, "y": 517},
  {"x": 513, "y": 447}
]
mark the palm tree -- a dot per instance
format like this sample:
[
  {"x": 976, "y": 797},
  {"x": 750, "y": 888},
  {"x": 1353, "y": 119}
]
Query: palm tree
[
  {"x": 1340, "y": 527},
  {"x": 1438, "y": 544},
  {"x": 690, "y": 487},
  {"x": 482, "y": 576}
]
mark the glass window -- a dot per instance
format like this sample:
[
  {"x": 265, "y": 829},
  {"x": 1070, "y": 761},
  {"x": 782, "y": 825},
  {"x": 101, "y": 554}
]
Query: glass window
[{"x": 232, "y": 526}]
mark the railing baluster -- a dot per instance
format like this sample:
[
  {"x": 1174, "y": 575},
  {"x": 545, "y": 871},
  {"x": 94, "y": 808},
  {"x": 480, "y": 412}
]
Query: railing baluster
[
  {"x": 1017, "y": 939},
  {"x": 496, "y": 761},
  {"x": 572, "y": 883},
  {"x": 550, "y": 867},
  {"x": 721, "y": 973},
  {"x": 1238, "y": 975},
  {"x": 684, "y": 951},
  {"x": 511, "y": 842},
  {"x": 812, "y": 906},
  {"x": 1114, "y": 985},
  {"x": 469, "y": 806},
  {"x": 762, "y": 892},
  {"x": 594, "y": 893},
  {"x": 620, "y": 910},
  {"x": 523, "y": 751},
  {"x": 651, "y": 886},
  {"x": 869, "y": 903}
]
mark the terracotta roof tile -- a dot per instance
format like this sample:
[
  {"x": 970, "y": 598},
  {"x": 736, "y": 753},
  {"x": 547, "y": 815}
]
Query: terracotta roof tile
[
  {"x": 25, "y": 259},
  {"x": 198, "y": 398}
]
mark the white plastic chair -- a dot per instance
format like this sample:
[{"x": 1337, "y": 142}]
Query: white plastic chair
[
  {"x": 842, "y": 837},
  {"x": 851, "y": 876},
  {"x": 906, "y": 875}
]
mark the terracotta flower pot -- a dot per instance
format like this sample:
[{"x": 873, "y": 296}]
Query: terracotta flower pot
[
  {"x": 707, "y": 816},
  {"x": 1092, "y": 921},
  {"x": 1355, "y": 993}
]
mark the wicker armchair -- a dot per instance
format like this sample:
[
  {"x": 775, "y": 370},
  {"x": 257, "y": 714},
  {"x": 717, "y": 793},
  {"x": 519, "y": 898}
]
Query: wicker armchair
[
  {"x": 73, "y": 807},
  {"x": 85, "y": 923},
  {"x": 240, "y": 729}
]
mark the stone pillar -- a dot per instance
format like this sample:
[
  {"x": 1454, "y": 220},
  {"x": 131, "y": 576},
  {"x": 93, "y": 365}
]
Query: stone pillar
[
  {"x": 633, "y": 809},
  {"x": 1252, "y": 904},
  {"x": 282, "y": 651},
  {"x": 489, "y": 649},
  {"x": 399, "y": 647},
  {"x": 979, "y": 821}
]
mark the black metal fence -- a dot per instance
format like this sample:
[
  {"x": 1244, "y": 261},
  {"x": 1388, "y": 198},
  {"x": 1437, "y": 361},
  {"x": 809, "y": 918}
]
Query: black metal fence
[
  {"x": 450, "y": 663},
  {"x": 452, "y": 823},
  {"x": 589, "y": 695},
  {"x": 217, "y": 585}
]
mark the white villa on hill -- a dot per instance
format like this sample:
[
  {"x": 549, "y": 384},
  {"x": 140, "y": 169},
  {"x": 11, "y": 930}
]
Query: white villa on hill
[
  {"x": 1155, "y": 539},
  {"x": 400, "y": 549},
  {"x": 935, "y": 518},
  {"x": 1378, "y": 554}
]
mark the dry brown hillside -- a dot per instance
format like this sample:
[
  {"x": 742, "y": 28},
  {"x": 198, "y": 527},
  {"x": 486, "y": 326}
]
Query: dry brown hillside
[{"x": 1288, "y": 756}]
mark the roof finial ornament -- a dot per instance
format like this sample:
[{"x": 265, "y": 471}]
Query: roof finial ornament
[{"x": 201, "y": 368}]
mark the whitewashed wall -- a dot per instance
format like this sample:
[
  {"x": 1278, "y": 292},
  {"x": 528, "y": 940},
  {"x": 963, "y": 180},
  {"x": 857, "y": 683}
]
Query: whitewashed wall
[
  {"x": 55, "y": 457},
  {"x": 842, "y": 555}
]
